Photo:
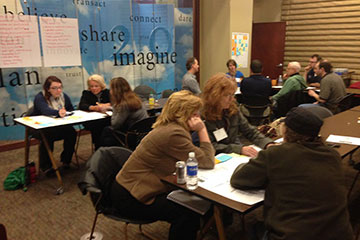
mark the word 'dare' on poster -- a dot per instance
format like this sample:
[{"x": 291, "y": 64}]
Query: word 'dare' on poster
[{"x": 60, "y": 41}]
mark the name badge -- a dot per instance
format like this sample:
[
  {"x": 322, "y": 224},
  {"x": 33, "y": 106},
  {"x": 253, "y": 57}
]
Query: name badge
[{"x": 220, "y": 134}]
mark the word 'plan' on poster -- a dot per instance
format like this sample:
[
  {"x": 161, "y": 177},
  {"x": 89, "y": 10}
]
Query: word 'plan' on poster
[
  {"x": 240, "y": 48},
  {"x": 19, "y": 41},
  {"x": 60, "y": 41}
]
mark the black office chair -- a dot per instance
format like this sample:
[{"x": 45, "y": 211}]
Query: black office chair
[
  {"x": 135, "y": 133},
  {"x": 166, "y": 93},
  {"x": 256, "y": 109},
  {"x": 102, "y": 169},
  {"x": 346, "y": 102},
  {"x": 144, "y": 91}
]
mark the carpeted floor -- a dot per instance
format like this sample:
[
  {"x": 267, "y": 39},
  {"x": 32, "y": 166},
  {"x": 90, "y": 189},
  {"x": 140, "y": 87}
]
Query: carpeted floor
[{"x": 39, "y": 214}]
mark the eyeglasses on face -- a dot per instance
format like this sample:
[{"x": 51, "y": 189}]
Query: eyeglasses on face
[{"x": 56, "y": 88}]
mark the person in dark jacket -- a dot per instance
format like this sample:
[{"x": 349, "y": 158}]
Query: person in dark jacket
[
  {"x": 224, "y": 121},
  {"x": 96, "y": 99},
  {"x": 303, "y": 180},
  {"x": 53, "y": 102},
  {"x": 127, "y": 110}
]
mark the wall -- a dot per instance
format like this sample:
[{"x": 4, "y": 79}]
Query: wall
[
  {"x": 214, "y": 37},
  {"x": 241, "y": 13},
  {"x": 267, "y": 11},
  {"x": 218, "y": 19}
]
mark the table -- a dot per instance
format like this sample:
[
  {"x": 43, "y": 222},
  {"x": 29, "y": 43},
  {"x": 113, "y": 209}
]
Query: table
[
  {"x": 217, "y": 200},
  {"x": 356, "y": 109},
  {"x": 345, "y": 124},
  {"x": 39, "y": 123},
  {"x": 157, "y": 107},
  {"x": 225, "y": 197},
  {"x": 353, "y": 90}
]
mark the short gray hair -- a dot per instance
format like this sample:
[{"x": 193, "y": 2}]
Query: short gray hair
[{"x": 295, "y": 65}]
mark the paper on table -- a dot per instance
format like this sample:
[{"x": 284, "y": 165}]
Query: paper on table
[
  {"x": 217, "y": 180},
  {"x": 343, "y": 139}
]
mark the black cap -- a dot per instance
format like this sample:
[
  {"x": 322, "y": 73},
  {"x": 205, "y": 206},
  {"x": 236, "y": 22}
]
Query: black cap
[{"x": 303, "y": 121}]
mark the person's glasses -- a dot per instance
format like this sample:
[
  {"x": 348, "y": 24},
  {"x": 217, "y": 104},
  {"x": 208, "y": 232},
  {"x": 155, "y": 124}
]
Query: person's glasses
[{"x": 56, "y": 88}]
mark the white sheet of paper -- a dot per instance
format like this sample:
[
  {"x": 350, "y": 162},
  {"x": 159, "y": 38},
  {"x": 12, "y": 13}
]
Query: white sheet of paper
[
  {"x": 343, "y": 139},
  {"x": 217, "y": 180}
]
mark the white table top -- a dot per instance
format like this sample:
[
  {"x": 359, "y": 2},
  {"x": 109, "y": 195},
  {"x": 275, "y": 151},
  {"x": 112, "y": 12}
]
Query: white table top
[{"x": 41, "y": 122}]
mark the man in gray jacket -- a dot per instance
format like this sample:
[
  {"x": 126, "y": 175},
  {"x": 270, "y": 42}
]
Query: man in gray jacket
[{"x": 189, "y": 81}]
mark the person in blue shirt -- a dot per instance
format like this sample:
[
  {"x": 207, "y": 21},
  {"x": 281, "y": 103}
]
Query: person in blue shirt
[
  {"x": 232, "y": 65},
  {"x": 53, "y": 102}
]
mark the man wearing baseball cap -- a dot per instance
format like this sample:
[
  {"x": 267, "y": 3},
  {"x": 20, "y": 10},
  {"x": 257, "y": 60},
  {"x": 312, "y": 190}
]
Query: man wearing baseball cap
[{"x": 302, "y": 178}]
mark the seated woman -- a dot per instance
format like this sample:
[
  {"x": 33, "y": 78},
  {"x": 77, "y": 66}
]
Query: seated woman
[
  {"x": 138, "y": 190},
  {"x": 225, "y": 122},
  {"x": 53, "y": 102},
  {"x": 303, "y": 179},
  {"x": 97, "y": 99},
  {"x": 232, "y": 65},
  {"x": 127, "y": 110}
]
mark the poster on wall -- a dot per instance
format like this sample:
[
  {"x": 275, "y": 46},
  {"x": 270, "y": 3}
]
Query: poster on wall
[
  {"x": 60, "y": 41},
  {"x": 183, "y": 22},
  {"x": 240, "y": 48},
  {"x": 19, "y": 41},
  {"x": 117, "y": 38}
]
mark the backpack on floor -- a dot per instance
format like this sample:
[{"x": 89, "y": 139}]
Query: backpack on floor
[{"x": 16, "y": 179}]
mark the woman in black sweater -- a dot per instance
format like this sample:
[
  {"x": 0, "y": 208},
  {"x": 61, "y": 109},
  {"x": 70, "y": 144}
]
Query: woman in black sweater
[{"x": 96, "y": 98}]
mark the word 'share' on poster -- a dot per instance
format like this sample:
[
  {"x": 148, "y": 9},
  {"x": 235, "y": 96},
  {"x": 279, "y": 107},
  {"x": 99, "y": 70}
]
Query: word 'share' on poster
[{"x": 19, "y": 41}]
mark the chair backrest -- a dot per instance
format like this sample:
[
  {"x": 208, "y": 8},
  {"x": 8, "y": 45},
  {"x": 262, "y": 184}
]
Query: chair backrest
[
  {"x": 3, "y": 235},
  {"x": 256, "y": 115},
  {"x": 166, "y": 93},
  {"x": 346, "y": 102},
  {"x": 138, "y": 131},
  {"x": 102, "y": 167},
  {"x": 144, "y": 91}
]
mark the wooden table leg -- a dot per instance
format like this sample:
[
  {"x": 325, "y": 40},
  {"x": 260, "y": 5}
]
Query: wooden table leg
[
  {"x": 219, "y": 223},
  {"x": 27, "y": 146},
  {"x": 60, "y": 190}
]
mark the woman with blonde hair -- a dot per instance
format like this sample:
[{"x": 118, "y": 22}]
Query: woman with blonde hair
[
  {"x": 224, "y": 121},
  {"x": 127, "y": 110},
  {"x": 96, "y": 98},
  {"x": 138, "y": 190}
]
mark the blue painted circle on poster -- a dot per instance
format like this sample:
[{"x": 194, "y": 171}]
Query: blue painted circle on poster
[{"x": 154, "y": 36}]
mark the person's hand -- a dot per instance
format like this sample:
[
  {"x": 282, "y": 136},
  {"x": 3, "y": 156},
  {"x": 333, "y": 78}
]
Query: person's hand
[
  {"x": 312, "y": 93},
  {"x": 195, "y": 124},
  {"x": 285, "y": 76},
  {"x": 249, "y": 151},
  {"x": 62, "y": 112},
  {"x": 307, "y": 68},
  {"x": 271, "y": 144}
]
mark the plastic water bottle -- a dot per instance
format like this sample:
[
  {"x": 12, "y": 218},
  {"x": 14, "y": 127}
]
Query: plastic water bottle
[
  {"x": 191, "y": 172},
  {"x": 151, "y": 99},
  {"x": 280, "y": 80}
]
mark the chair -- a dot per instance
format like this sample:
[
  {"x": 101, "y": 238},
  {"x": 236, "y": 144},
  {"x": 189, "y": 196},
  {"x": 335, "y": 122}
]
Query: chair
[
  {"x": 290, "y": 100},
  {"x": 3, "y": 235},
  {"x": 346, "y": 102},
  {"x": 356, "y": 166},
  {"x": 144, "y": 91},
  {"x": 166, "y": 93},
  {"x": 256, "y": 109},
  {"x": 135, "y": 133},
  {"x": 101, "y": 170}
]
